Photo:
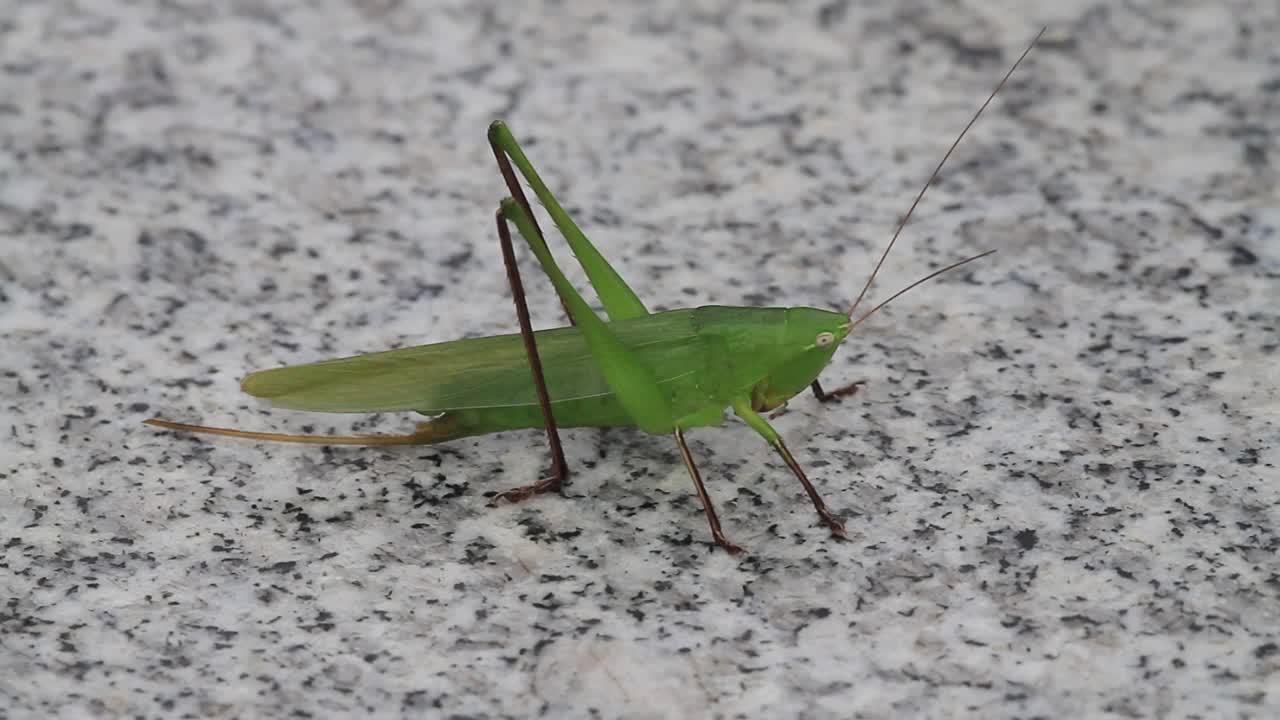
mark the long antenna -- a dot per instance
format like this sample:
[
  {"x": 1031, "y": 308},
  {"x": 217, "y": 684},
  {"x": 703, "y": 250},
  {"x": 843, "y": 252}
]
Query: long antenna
[
  {"x": 921, "y": 281},
  {"x": 854, "y": 307}
]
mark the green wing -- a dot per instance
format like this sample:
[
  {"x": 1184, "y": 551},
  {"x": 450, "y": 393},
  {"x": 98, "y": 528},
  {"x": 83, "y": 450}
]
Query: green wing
[{"x": 480, "y": 372}]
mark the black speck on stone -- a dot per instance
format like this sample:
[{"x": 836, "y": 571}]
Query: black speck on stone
[
  {"x": 457, "y": 260},
  {"x": 1026, "y": 539},
  {"x": 1241, "y": 255},
  {"x": 833, "y": 12},
  {"x": 1209, "y": 229}
]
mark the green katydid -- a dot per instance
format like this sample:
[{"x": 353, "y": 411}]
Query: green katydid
[{"x": 662, "y": 372}]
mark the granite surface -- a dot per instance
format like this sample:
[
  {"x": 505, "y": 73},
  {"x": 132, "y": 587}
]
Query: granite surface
[{"x": 1059, "y": 481}]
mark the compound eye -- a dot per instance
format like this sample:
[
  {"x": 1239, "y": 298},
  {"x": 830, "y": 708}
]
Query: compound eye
[{"x": 824, "y": 339}]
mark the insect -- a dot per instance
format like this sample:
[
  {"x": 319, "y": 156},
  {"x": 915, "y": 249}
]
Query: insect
[{"x": 664, "y": 372}]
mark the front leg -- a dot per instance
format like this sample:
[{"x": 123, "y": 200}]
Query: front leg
[
  {"x": 823, "y": 396},
  {"x": 835, "y": 395}
]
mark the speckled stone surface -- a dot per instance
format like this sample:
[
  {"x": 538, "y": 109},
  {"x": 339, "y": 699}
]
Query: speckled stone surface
[{"x": 1060, "y": 481}]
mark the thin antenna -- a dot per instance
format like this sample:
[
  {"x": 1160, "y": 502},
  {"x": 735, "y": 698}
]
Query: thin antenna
[
  {"x": 921, "y": 281},
  {"x": 853, "y": 308}
]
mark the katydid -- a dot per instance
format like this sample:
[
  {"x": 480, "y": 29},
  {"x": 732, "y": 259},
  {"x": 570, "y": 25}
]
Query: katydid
[{"x": 664, "y": 372}]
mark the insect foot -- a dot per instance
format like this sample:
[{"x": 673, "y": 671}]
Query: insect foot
[
  {"x": 730, "y": 547},
  {"x": 524, "y": 492},
  {"x": 844, "y": 391}
]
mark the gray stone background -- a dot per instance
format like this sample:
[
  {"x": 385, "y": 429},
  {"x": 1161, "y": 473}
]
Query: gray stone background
[{"x": 1059, "y": 481}]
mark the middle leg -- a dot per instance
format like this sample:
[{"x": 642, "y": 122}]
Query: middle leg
[
  {"x": 743, "y": 409},
  {"x": 707, "y": 507}
]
